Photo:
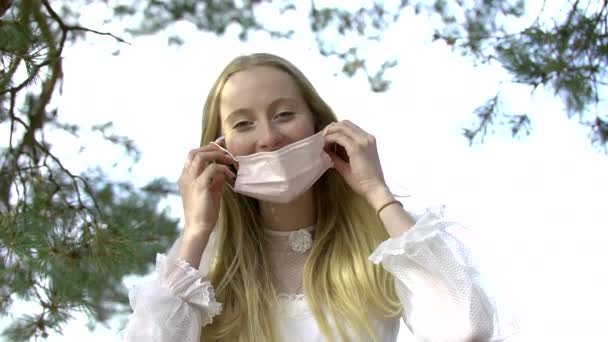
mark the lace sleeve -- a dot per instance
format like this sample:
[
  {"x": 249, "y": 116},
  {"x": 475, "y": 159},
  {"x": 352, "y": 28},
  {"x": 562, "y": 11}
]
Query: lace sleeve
[
  {"x": 439, "y": 285},
  {"x": 173, "y": 303}
]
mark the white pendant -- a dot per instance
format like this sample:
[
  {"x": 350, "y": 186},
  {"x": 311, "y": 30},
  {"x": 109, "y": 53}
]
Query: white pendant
[{"x": 300, "y": 241}]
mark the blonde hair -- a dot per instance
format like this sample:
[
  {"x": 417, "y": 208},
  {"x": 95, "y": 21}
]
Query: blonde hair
[{"x": 339, "y": 281}]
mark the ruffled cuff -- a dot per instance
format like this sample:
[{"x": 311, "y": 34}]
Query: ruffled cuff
[
  {"x": 428, "y": 226},
  {"x": 435, "y": 251},
  {"x": 189, "y": 284},
  {"x": 172, "y": 305}
]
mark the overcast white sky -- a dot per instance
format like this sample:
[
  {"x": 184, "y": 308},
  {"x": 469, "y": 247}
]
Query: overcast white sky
[{"x": 536, "y": 202}]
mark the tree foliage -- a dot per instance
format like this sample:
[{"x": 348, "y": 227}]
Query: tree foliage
[
  {"x": 568, "y": 55},
  {"x": 69, "y": 259},
  {"x": 66, "y": 239}
]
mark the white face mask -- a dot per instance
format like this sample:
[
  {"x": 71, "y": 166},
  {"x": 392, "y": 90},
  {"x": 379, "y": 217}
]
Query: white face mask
[{"x": 283, "y": 175}]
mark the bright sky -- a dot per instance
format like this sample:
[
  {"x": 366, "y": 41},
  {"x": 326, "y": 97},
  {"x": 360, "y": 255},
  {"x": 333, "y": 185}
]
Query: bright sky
[{"x": 536, "y": 202}]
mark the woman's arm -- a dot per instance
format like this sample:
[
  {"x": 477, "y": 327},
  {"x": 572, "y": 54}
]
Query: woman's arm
[
  {"x": 363, "y": 172},
  {"x": 439, "y": 284},
  {"x": 193, "y": 242},
  {"x": 175, "y": 301},
  {"x": 394, "y": 218}
]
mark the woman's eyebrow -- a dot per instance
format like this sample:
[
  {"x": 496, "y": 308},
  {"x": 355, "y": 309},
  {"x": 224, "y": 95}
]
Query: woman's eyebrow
[
  {"x": 235, "y": 114},
  {"x": 283, "y": 100}
]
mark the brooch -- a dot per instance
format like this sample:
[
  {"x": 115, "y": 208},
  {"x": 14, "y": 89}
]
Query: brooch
[{"x": 300, "y": 241}]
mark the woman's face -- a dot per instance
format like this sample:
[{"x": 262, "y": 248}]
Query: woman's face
[{"x": 262, "y": 109}]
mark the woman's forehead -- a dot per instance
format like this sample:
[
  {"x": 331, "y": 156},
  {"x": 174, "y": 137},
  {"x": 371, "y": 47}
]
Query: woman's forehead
[
  {"x": 255, "y": 87},
  {"x": 260, "y": 79}
]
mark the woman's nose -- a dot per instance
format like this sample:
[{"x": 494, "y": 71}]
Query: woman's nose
[{"x": 269, "y": 139}]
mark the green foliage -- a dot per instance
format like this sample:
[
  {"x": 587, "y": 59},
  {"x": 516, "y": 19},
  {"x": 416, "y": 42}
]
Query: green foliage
[
  {"x": 368, "y": 23},
  {"x": 486, "y": 114},
  {"x": 73, "y": 259},
  {"x": 127, "y": 143},
  {"x": 569, "y": 56},
  {"x": 66, "y": 240},
  {"x": 211, "y": 15},
  {"x": 19, "y": 42}
]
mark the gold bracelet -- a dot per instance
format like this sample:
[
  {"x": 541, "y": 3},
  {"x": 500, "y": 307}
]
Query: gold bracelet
[{"x": 386, "y": 205}]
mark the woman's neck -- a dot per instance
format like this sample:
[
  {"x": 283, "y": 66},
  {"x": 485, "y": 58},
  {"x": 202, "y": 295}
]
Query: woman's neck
[{"x": 294, "y": 215}]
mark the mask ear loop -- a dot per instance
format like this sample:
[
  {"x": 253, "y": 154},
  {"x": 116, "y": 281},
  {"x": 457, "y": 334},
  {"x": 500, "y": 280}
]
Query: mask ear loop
[{"x": 216, "y": 143}]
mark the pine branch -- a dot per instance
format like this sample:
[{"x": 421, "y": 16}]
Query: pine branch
[{"x": 66, "y": 28}]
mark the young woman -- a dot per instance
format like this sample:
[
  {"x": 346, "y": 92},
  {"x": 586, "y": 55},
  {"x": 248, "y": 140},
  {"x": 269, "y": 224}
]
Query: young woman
[{"x": 291, "y": 233}]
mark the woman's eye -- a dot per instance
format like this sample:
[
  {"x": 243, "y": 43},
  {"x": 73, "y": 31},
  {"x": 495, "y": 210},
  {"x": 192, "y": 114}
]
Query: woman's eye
[
  {"x": 241, "y": 125},
  {"x": 284, "y": 115}
]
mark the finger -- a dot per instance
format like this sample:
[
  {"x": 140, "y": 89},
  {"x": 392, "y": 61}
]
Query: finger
[
  {"x": 197, "y": 165},
  {"x": 340, "y": 151},
  {"x": 206, "y": 157},
  {"x": 354, "y": 128},
  {"x": 343, "y": 140},
  {"x": 221, "y": 141},
  {"x": 202, "y": 159},
  {"x": 207, "y": 148},
  {"x": 326, "y": 128},
  {"x": 340, "y": 165},
  {"x": 215, "y": 175},
  {"x": 353, "y": 131},
  {"x": 226, "y": 171},
  {"x": 220, "y": 144}
]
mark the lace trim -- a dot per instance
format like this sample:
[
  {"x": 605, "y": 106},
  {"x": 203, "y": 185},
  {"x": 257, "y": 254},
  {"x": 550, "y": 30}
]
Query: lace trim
[
  {"x": 292, "y": 306},
  {"x": 207, "y": 301},
  {"x": 213, "y": 307},
  {"x": 190, "y": 286},
  {"x": 187, "y": 268},
  {"x": 286, "y": 233},
  {"x": 426, "y": 228},
  {"x": 291, "y": 297}
]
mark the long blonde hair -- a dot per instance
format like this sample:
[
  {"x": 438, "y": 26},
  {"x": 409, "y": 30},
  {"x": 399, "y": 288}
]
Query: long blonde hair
[{"x": 339, "y": 281}]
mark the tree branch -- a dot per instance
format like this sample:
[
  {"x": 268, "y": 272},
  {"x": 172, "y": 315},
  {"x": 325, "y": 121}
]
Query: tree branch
[
  {"x": 65, "y": 28},
  {"x": 29, "y": 79},
  {"x": 80, "y": 28}
]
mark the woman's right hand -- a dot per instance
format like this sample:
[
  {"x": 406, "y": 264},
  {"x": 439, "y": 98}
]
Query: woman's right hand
[{"x": 201, "y": 184}]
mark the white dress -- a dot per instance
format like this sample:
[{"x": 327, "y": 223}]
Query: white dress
[{"x": 437, "y": 281}]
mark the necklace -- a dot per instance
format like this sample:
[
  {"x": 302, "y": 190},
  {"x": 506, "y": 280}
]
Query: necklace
[{"x": 298, "y": 241}]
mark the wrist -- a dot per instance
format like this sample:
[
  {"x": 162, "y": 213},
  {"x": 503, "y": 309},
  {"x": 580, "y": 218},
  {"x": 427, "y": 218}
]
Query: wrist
[
  {"x": 196, "y": 232},
  {"x": 380, "y": 196},
  {"x": 192, "y": 246}
]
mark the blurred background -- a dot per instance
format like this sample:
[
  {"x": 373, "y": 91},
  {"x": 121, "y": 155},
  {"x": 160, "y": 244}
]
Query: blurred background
[{"x": 495, "y": 108}]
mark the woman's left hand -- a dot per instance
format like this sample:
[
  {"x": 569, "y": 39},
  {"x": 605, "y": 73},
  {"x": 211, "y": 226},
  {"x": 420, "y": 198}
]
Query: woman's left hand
[{"x": 362, "y": 172}]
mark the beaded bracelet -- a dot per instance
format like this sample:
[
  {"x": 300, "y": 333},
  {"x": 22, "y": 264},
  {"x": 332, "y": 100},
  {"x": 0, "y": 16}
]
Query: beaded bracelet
[{"x": 386, "y": 205}]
